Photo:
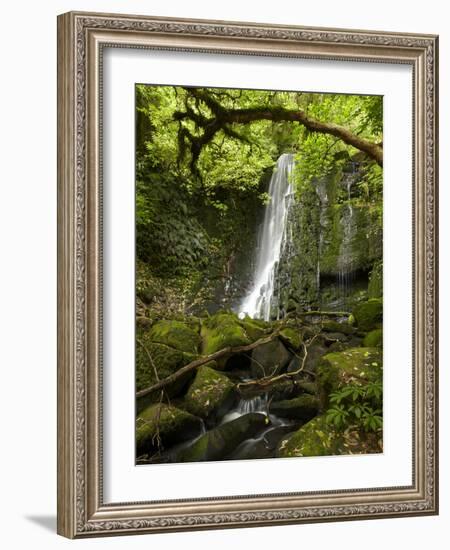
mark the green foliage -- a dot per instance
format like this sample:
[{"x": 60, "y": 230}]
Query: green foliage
[
  {"x": 320, "y": 154},
  {"x": 357, "y": 406}
]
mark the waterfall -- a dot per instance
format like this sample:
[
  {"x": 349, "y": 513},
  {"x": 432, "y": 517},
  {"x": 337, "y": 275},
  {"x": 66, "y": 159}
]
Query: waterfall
[
  {"x": 258, "y": 403},
  {"x": 258, "y": 303}
]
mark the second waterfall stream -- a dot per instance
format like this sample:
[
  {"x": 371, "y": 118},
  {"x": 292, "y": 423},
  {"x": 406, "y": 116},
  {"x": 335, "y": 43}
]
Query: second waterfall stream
[{"x": 258, "y": 302}]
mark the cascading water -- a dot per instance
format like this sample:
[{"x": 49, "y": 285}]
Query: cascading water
[{"x": 258, "y": 303}]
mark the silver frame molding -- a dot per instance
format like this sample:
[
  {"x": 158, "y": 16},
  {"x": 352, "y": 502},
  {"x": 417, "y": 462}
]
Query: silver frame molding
[{"x": 81, "y": 510}]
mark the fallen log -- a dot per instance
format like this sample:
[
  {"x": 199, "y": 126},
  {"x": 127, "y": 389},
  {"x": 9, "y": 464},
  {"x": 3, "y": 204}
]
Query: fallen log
[{"x": 206, "y": 359}]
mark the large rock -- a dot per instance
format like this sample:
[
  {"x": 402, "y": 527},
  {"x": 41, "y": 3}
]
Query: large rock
[
  {"x": 319, "y": 438},
  {"x": 277, "y": 390},
  {"x": 316, "y": 438},
  {"x": 254, "y": 328},
  {"x": 176, "y": 334},
  {"x": 263, "y": 447},
  {"x": 220, "y": 442},
  {"x": 369, "y": 315},
  {"x": 332, "y": 337},
  {"x": 269, "y": 359},
  {"x": 158, "y": 361},
  {"x": 223, "y": 330},
  {"x": 252, "y": 449},
  {"x": 315, "y": 352},
  {"x": 303, "y": 407},
  {"x": 159, "y": 426},
  {"x": 352, "y": 366},
  {"x": 210, "y": 395},
  {"x": 374, "y": 338},
  {"x": 291, "y": 337},
  {"x": 334, "y": 326}
]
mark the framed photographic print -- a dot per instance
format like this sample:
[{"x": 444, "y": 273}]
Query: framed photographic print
[{"x": 247, "y": 274}]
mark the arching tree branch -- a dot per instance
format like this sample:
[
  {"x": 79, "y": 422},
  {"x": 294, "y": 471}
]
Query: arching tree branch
[{"x": 222, "y": 118}]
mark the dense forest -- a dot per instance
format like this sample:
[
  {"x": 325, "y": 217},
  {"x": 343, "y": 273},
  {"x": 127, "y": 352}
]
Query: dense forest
[{"x": 258, "y": 274}]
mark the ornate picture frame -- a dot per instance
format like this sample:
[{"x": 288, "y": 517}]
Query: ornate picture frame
[{"x": 82, "y": 510}]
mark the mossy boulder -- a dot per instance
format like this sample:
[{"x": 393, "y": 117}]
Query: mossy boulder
[
  {"x": 176, "y": 334},
  {"x": 220, "y": 442},
  {"x": 374, "y": 338},
  {"x": 308, "y": 387},
  {"x": 303, "y": 407},
  {"x": 269, "y": 359},
  {"x": 351, "y": 366},
  {"x": 158, "y": 361},
  {"x": 369, "y": 315},
  {"x": 335, "y": 337},
  {"x": 254, "y": 328},
  {"x": 320, "y": 438},
  {"x": 210, "y": 395},
  {"x": 291, "y": 337},
  {"x": 315, "y": 352},
  {"x": 332, "y": 326},
  {"x": 161, "y": 425},
  {"x": 315, "y": 438},
  {"x": 223, "y": 330}
]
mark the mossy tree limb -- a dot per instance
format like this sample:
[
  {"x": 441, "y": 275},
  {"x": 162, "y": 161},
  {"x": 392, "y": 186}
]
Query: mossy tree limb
[
  {"x": 223, "y": 118},
  {"x": 193, "y": 365}
]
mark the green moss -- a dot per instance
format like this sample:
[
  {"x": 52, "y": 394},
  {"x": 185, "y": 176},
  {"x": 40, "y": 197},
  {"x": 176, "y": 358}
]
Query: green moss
[
  {"x": 155, "y": 362},
  {"x": 292, "y": 337},
  {"x": 209, "y": 391},
  {"x": 369, "y": 315},
  {"x": 176, "y": 334},
  {"x": 374, "y": 338},
  {"x": 169, "y": 424},
  {"x": 222, "y": 330},
  {"x": 163, "y": 359},
  {"x": 254, "y": 328},
  {"x": 316, "y": 438},
  {"x": 354, "y": 365}
]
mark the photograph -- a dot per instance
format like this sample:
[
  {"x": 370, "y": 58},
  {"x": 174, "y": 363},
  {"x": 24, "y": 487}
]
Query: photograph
[
  {"x": 247, "y": 273},
  {"x": 258, "y": 274}
]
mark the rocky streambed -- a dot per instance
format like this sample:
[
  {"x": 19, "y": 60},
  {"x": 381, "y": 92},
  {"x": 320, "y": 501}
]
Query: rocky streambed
[{"x": 270, "y": 400}]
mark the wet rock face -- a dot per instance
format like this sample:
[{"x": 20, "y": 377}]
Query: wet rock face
[{"x": 335, "y": 244}]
